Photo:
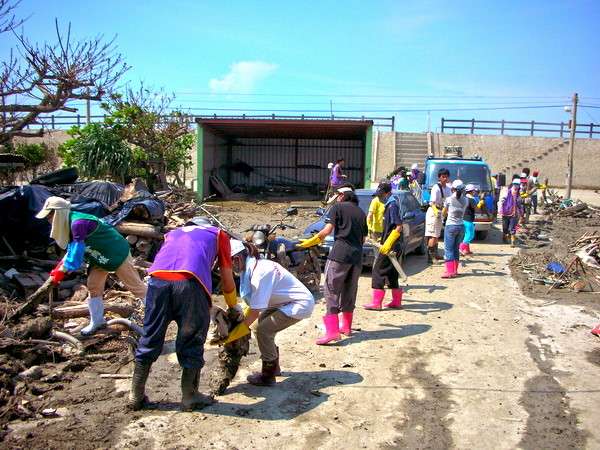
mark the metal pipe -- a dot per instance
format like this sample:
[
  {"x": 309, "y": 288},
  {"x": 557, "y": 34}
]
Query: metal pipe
[
  {"x": 70, "y": 339},
  {"x": 128, "y": 323}
]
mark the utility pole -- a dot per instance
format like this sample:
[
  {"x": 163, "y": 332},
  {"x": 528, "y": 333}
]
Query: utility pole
[{"x": 571, "y": 147}]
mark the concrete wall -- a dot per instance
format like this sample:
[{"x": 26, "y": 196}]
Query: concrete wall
[
  {"x": 505, "y": 154},
  {"x": 509, "y": 154}
]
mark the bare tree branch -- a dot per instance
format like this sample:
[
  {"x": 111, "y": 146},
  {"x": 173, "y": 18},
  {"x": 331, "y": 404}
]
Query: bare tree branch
[{"x": 44, "y": 78}]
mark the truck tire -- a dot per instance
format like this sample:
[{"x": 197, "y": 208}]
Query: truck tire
[
  {"x": 422, "y": 249},
  {"x": 481, "y": 235}
]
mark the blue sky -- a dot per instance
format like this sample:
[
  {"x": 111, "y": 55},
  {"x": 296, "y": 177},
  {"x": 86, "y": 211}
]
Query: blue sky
[{"x": 456, "y": 59}]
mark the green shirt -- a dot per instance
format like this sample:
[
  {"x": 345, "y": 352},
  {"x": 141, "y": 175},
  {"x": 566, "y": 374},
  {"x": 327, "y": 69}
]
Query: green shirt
[{"x": 105, "y": 248}]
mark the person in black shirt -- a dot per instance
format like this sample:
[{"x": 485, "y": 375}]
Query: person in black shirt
[
  {"x": 344, "y": 263},
  {"x": 384, "y": 271}
]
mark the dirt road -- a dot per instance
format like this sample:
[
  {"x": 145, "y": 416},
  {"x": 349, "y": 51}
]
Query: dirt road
[{"x": 467, "y": 363}]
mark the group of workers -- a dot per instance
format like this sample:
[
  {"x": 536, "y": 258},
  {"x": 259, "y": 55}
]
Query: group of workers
[{"x": 179, "y": 285}]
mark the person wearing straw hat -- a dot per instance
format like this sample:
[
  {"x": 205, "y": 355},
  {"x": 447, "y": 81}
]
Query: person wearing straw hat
[{"x": 86, "y": 237}]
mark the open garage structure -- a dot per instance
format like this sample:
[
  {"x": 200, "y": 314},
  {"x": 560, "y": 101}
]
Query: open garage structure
[{"x": 274, "y": 152}]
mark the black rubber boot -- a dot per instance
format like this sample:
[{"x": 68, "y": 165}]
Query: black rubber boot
[
  {"x": 432, "y": 255},
  {"x": 137, "y": 397},
  {"x": 267, "y": 375},
  {"x": 191, "y": 399}
]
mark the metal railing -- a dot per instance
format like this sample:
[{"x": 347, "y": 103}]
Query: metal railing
[
  {"x": 455, "y": 126},
  {"x": 64, "y": 121}
]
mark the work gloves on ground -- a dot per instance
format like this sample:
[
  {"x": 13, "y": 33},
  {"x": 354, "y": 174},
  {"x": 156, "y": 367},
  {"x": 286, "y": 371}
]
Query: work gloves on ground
[
  {"x": 387, "y": 245},
  {"x": 305, "y": 243},
  {"x": 58, "y": 273}
]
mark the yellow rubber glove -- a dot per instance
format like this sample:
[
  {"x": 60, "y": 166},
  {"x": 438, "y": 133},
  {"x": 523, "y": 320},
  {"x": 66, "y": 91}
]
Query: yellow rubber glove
[
  {"x": 480, "y": 203},
  {"x": 239, "y": 331},
  {"x": 435, "y": 211},
  {"x": 230, "y": 298},
  {"x": 542, "y": 186},
  {"x": 305, "y": 243},
  {"x": 524, "y": 195},
  {"x": 386, "y": 247}
]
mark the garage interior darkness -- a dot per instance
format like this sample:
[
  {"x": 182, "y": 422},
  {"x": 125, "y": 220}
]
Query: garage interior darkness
[{"x": 280, "y": 154}]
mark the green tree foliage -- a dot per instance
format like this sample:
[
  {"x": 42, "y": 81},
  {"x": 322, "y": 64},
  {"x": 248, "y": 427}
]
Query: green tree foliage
[
  {"x": 99, "y": 152},
  {"x": 37, "y": 157},
  {"x": 145, "y": 121}
]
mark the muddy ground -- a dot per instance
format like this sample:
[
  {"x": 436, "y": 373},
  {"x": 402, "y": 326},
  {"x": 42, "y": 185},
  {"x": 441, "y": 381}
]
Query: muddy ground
[{"x": 480, "y": 361}]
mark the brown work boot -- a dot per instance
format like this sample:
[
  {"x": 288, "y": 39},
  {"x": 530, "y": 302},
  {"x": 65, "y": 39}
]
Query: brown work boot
[{"x": 267, "y": 375}]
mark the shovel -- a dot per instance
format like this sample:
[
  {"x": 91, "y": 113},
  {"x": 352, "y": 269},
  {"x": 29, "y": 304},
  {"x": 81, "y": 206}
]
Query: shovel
[{"x": 393, "y": 258}]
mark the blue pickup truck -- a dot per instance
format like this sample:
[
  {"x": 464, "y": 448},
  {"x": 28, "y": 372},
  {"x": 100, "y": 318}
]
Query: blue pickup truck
[{"x": 471, "y": 171}]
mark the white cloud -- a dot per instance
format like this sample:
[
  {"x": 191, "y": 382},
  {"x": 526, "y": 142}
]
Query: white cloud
[{"x": 242, "y": 78}]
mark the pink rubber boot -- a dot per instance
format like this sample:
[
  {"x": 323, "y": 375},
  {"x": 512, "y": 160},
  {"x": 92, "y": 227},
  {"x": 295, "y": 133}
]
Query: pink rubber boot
[
  {"x": 456, "y": 266},
  {"x": 596, "y": 331},
  {"x": 463, "y": 248},
  {"x": 468, "y": 250},
  {"x": 375, "y": 304},
  {"x": 396, "y": 299},
  {"x": 346, "y": 325},
  {"x": 450, "y": 270},
  {"x": 332, "y": 329}
]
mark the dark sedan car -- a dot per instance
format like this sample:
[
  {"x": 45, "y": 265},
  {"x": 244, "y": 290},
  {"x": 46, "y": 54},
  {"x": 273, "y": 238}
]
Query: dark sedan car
[{"x": 413, "y": 224}]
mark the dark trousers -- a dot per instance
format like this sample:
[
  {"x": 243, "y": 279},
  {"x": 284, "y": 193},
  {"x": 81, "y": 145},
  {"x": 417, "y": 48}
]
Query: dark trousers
[
  {"x": 509, "y": 224},
  {"x": 384, "y": 273},
  {"x": 187, "y": 303},
  {"x": 341, "y": 286}
]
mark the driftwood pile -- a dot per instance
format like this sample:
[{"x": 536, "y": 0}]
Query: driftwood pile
[{"x": 40, "y": 322}]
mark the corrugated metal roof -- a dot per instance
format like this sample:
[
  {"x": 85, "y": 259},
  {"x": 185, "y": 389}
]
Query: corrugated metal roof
[{"x": 281, "y": 127}]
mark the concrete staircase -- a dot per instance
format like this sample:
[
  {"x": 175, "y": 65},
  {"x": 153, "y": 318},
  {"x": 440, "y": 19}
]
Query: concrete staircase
[{"x": 411, "y": 148}]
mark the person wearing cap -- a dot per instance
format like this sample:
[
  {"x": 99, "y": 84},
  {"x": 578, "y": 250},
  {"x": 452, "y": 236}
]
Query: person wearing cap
[
  {"x": 180, "y": 289},
  {"x": 454, "y": 211},
  {"x": 383, "y": 271},
  {"x": 414, "y": 172},
  {"x": 86, "y": 237},
  {"x": 510, "y": 210},
  {"x": 375, "y": 219},
  {"x": 275, "y": 297},
  {"x": 433, "y": 216},
  {"x": 344, "y": 262},
  {"x": 469, "y": 219}
]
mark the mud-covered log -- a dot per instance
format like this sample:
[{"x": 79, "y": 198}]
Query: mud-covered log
[
  {"x": 34, "y": 300},
  {"x": 231, "y": 354},
  {"x": 70, "y": 312},
  {"x": 139, "y": 229},
  {"x": 227, "y": 366},
  {"x": 573, "y": 209}
]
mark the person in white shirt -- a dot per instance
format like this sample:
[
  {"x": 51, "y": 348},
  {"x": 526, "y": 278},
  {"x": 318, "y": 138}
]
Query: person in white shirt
[
  {"x": 275, "y": 297},
  {"x": 433, "y": 217}
]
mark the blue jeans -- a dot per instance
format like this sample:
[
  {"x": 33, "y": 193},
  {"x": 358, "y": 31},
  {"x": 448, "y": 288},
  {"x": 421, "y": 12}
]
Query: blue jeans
[
  {"x": 453, "y": 236},
  {"x": 187, "y": 303},
  {"x": 469, "y": 232}
]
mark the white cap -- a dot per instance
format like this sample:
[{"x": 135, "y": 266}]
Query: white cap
[
  {"x": 414, "y": 166},
  {"x": 523, "y": 175},
  {"x": 457, "y": 184},
  {"x": 52, "y": 204},
  {"x": 237, "y": 246}
]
